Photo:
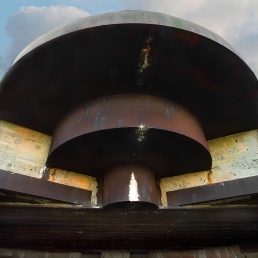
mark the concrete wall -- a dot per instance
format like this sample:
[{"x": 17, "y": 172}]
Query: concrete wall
[{"x": 25, "y": 151}]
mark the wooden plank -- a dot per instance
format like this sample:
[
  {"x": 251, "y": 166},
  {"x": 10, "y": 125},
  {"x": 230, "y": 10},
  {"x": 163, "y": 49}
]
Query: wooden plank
[{"x": 79, "y": 229}]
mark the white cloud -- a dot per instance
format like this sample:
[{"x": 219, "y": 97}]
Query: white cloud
[
  {"x": 31, "y": 22},
  {"x": 235, "y": 21}
]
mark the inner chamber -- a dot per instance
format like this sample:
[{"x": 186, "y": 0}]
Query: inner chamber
[{"x": 129, "y": 140}]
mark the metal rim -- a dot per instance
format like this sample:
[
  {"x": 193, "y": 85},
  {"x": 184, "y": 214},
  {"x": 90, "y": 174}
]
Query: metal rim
[
  {"x": 141, "y": 112},
  {"x": 140, "y": 129},
  {"x": 125, "y": 17},
  {"x": 172, "y": 61}
]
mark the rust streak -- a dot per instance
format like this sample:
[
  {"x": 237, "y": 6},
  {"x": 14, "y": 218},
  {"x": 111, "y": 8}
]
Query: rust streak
[{"x": 209, "y": 177}]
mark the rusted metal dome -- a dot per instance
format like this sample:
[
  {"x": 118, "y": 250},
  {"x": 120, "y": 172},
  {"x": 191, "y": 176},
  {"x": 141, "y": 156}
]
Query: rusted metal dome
[
  {"x": 131, "y": 52},
  {"x": 133, "y": 93},
  {"x": 126, "y": 129}
]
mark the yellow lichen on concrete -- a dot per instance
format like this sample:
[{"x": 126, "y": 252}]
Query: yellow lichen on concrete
[
  {"x": 181, "y": 182},
  {"x": 24, "y": 151},
  {"x": 233, "y": 157},
  {"x": 76, "y": 180}
]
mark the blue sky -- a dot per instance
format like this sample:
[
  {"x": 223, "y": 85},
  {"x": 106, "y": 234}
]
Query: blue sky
[
  {"x": 21, "y": 21},
  {"x": 7, "y": 7}
]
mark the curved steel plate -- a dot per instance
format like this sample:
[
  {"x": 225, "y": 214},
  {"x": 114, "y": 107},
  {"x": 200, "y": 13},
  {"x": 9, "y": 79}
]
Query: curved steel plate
[
  {"x": 131, "y": 52},
  {"x": 166, "y": 153},
  {"x": 124, "y": 111},
  {"x": 126, "y": 129},
  {"x": 125, "y": 17},
  {"x": 130, "y": 187}
]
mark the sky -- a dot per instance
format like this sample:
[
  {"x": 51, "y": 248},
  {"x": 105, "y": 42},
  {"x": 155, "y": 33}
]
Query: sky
[{"x": 22, "y": 21}]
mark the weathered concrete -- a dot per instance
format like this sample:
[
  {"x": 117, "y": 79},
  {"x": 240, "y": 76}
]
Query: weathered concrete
[
  {"x": 233, "y": 157},
  {"x": 221, "y": 252},
  {"x": 24, "y": 151},
  {"x": 6, "y": 253},
  {"x": 115, "y": 255}
]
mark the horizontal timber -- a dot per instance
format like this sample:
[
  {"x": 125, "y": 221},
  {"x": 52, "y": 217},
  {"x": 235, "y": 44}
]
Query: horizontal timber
[{"x": 83, "y": 229}]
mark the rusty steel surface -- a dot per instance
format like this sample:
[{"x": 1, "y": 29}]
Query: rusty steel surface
[
  {"x": 122, "y": 111},
  {"x": 82, "y": 229},
  {"x": 133, "y": 52},
  {"x": 205, "y": 193},
  {"x": 125, "y": 129},
  {"x": 130, "y": 187},
  {"x": 125, "y": 17},
  {"x": 40, "y": 188}
]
